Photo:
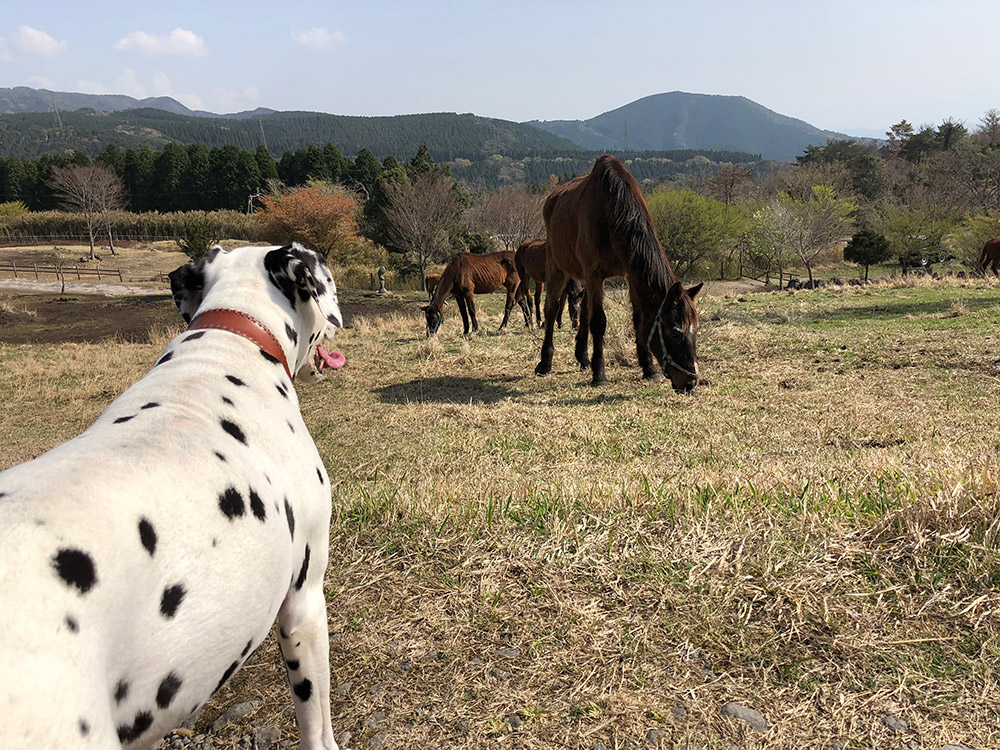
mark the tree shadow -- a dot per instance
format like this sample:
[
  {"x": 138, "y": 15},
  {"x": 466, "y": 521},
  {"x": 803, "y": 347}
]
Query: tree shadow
[{"x": 447, "y": 389}]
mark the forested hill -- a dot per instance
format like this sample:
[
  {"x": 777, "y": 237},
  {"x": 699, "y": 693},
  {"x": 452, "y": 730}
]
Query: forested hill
[
  {"x": 448, "y": 136},
  {"x": 679, "y": 120}
]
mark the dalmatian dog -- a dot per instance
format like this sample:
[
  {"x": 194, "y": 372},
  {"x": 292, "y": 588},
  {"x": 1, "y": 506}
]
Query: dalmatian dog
[{"x": 142, "y": 562}]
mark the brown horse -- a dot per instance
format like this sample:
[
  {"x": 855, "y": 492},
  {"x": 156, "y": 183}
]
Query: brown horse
[
  {"x": 431, "y": 281},
  {"x": 469, "y": 274},
  {"x": 530, "y": 260},
  {"x": 598, "y": 226},
  {"x": 991, "y": 256}
]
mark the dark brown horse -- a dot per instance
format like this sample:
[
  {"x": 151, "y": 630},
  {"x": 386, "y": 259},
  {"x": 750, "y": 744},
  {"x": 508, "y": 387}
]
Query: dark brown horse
[
  {"x": 990, "y": 256},
  {"x": 467, "y": 275},
  {"x": 530, "y": 260},
  {"x": 598, "y": 226}
]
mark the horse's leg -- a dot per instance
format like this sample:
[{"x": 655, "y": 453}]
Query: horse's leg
[
  {"x": 471, "y": 302},
  {"x": 553, "y": 290},
  {"x": 598, "y": 325},
  {"x": 582, "y": 336},
  {"x": 539, "y": 287},
  {"x": 507, "y": 307},
  {"x": 524, "y": 304},
  {"x": 562, "y": 306},
  {"x": 463, "y": 308},
  {"x": 649, "y": 370}
]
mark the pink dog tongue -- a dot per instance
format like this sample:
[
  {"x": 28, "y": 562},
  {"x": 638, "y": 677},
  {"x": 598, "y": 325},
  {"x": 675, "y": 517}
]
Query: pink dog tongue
[{"x": 333, "y": 360}]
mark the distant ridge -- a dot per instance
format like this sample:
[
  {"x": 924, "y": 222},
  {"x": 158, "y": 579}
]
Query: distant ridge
[
  {"x": 679, "y": 120},
  {"x": 20, "y": 99}
]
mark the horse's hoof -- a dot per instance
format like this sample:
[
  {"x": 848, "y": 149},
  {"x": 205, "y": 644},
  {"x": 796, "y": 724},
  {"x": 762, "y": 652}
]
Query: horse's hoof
[
  {"x": 653, "y": 377},
  {"x": 541, "y": 370},
  {"x": 598, "y": 382}
]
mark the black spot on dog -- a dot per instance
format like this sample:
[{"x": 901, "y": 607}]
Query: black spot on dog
[
  {"x": 290, "y": 426},
  {"x": 147, "y": 535},
  {"x": 282, "y": 633},
  {"x": 303, "y": 571},
  {"x": 76, "y": 568},
  {"x": 257, "y": 506},
  {"x": 84, "y": 727},
  {"x": 282, "y": 389},
  {"x": 165, "y": 358},
  {"x": 220, "y": 456},
  {"x": 120, "y": 420},
  {"x": 3, "y": 495},
  {"x": 319, "y": 473},
  {"x": 167, "y": 690},
  {"x": 150, "y": 405},
  {"x": 171, "y": 600},
  {"x": 215, "y": 542},
  {"x": 270, "y": 357},
  {"x": 231, "y": 503},
  {"x": 291, "y": 519},
  {"x": 233, "y": 429},
  {"x": 332, "y": 318},
  {"x": 235, "y": 380},
  {"x": 143, "y": 721},
  {"x": 226, "y": 675},
  {"x": 227, "y": 401},
  {"x": 72, "y": 624},
  {"x": 303, "y": 690},
  {"x": 246, "y": 649},
  {"x": 292, "y": 334},
  {"x": 121, "y": 691},
  {"x": 193, "y": 336},
  {"x": 293, "y": 665}
]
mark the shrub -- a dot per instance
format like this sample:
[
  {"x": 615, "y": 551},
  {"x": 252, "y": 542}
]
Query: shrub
[
  {"x": 198, "y": 236},
  {"x": 321, "y": 216}
]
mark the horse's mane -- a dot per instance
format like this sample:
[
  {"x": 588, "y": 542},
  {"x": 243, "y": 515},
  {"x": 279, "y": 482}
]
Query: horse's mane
[
  {"x": 630, "y": 220},
  {"x": 445, "y": 283}
]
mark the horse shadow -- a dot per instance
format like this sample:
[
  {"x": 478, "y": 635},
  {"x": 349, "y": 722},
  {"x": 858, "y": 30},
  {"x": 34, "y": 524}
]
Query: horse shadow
[{"x": 447, "y": 389}]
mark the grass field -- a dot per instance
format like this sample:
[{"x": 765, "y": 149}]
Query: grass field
[{"x": 531, "y": 562}]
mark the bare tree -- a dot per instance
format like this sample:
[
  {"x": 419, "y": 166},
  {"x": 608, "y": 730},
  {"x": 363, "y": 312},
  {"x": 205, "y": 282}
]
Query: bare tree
[
  {"x": 808, "y": 227},
  {"x": 989, "y": 125},
  {"x": 94, "y": 191},
  {"x": 514, "y": 214},
  {"x": 420, "y": 213}
]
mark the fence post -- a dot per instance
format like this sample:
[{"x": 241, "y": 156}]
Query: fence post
[
  {"x": 77, "y": 272},
  {"x": 13, "y": 265},
  {"x": 120, "y": 275},
  {"x": 98, "y": 271},
  {"x": 36, "y": 270}
]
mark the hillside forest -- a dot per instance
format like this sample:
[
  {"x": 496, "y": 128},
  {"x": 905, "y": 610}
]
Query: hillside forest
[{"x": 924, "y": 196}]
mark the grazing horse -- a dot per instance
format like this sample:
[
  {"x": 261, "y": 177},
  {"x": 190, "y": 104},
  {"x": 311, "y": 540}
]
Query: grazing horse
[
  {"x": 991, "y": 256},
  {"x": 598, "y": 226},
  {"x": 530, "y": 260},
  {"x": 469, "y": 274}
]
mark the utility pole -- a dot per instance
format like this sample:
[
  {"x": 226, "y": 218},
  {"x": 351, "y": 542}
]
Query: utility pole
[
  {"x": 256, "y": 194},
  {"x": 626, "y": 135}
]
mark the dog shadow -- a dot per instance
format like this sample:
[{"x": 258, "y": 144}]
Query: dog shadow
[{"x": 447, "y": 389}]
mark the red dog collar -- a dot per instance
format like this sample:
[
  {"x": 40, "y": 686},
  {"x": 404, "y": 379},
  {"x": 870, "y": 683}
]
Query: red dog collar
[{"x": 246, "y": 326}]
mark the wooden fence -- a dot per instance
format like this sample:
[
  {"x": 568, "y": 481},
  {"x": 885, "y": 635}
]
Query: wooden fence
[{"x": 35, "y": 271}]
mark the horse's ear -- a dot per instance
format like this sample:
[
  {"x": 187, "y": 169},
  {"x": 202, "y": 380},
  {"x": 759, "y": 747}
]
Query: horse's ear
[
  {"x": 693, "y": 291},
  {"x": 674, "y": 294}
]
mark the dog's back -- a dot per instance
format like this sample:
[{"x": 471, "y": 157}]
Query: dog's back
[{"x": 145, "y": 560}]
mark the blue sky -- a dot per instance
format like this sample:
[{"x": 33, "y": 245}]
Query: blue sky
[{"x": 855, "y": 67}]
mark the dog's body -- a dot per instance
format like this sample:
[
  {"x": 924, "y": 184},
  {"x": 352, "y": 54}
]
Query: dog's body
[{"x": 143, "y": 562}]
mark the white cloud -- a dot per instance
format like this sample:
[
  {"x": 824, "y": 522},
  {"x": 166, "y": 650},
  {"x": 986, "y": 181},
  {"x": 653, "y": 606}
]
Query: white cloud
[
  {"x": 177, "y": 42},
  {"x": 128, "y": 83},
  {"x": 31, "y": 42},
  {"x": 41, "y": 82},
  {"x": 319, "y": 38},
  {"x": 91, "y": 87},
  {"x": 227, "y": 100}
]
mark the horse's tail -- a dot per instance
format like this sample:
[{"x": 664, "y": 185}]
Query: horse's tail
[
  {"x": 523, "y": 285},
  {"x": 629, "y": 219},
  {"x": 983, "y": 255}
]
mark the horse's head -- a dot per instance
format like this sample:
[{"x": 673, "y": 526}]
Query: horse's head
[
  {"x": 671, "y": 333},
  {"x": 434, "y": 318}
]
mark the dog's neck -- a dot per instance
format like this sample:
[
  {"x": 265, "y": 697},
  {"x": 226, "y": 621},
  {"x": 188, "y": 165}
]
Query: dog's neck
[{"x": 245, "y": 325}]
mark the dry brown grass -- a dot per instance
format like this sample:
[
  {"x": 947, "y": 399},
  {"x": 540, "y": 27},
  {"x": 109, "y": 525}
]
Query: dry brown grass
[{"x": 815, "y": 535}]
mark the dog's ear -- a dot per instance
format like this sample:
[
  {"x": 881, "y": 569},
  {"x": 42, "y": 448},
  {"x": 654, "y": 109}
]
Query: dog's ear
[
  {"x": 302, "y": 278},
  {"x": 187, "y": 285}
]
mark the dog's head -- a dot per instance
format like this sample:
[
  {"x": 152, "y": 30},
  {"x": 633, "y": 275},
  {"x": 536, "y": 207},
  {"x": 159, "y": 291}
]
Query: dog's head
[{"x": 292, "y": 278}]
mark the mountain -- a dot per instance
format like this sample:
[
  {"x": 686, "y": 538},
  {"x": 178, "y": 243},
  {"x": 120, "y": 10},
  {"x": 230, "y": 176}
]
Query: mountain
[
  {"x": 678, "y": 120},
  {"x": 21, "y": 99}
]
